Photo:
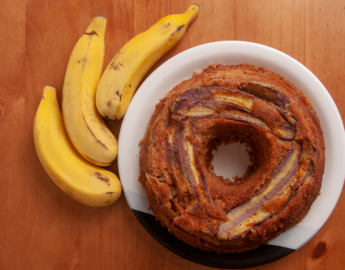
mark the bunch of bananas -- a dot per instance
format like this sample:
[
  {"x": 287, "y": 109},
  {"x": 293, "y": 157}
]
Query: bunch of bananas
[{"x": 71, "y": 144}]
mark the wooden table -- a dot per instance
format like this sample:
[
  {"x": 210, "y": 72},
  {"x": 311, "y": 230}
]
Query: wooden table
[{"x": 40, "y": 226}]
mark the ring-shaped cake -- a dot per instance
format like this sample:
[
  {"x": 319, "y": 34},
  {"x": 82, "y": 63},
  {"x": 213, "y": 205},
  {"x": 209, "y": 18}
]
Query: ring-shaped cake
[{"x": 226, "y": 104}]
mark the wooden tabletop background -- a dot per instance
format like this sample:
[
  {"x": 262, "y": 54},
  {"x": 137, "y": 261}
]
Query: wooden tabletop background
[{"x": 40, "y": 226}]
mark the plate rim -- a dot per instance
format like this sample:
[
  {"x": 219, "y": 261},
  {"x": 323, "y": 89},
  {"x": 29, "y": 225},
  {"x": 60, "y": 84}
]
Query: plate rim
[{"x": 186, "y": 52}]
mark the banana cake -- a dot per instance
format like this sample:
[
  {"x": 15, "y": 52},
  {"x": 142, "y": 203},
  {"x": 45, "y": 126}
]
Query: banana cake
[{"x": 225, "y": 104}]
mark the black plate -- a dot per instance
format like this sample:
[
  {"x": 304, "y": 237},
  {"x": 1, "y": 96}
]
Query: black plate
[{"x": 262, "y": 255}]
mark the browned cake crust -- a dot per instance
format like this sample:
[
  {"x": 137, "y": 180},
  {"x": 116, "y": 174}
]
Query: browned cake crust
[{"x": 227, "y": 104}]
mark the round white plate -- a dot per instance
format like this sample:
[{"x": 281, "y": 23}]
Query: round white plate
[{"x": 182, "y": 67}]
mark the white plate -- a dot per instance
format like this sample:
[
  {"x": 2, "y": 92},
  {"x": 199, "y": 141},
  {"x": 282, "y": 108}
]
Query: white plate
[{"x": 181, "y": 67}]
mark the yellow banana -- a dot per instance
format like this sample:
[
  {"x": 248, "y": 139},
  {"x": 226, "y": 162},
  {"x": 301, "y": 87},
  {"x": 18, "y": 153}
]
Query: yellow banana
[
  {"x": 85, "y": 126},
  {"x": 124, "y": 73},
  {"x": 83, "y": 181}
]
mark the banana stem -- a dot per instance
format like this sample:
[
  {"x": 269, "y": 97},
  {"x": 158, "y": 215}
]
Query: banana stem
[{"x": 97, "y": 26}]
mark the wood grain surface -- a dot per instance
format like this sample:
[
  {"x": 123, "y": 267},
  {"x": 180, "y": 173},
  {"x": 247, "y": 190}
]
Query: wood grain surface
[{"x": 40, "y": 226}]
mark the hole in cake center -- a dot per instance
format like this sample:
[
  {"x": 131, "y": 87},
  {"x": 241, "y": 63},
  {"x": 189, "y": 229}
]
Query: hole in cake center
[{"x": 231, "y": 160}]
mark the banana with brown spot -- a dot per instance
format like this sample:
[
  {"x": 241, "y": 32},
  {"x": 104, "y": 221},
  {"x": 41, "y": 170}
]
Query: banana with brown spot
[
  {"x": 85, "y": 126},
  {"x": 81, "y": 180},
  {"x": 124, "y": 73}
]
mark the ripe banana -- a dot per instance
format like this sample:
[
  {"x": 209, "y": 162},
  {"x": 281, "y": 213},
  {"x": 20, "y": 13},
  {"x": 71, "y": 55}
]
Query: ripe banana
[
  {"x": 80, "y": 179},
  {"x": 85, "y": 126},
  {"x": 124, "y": 73}
]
